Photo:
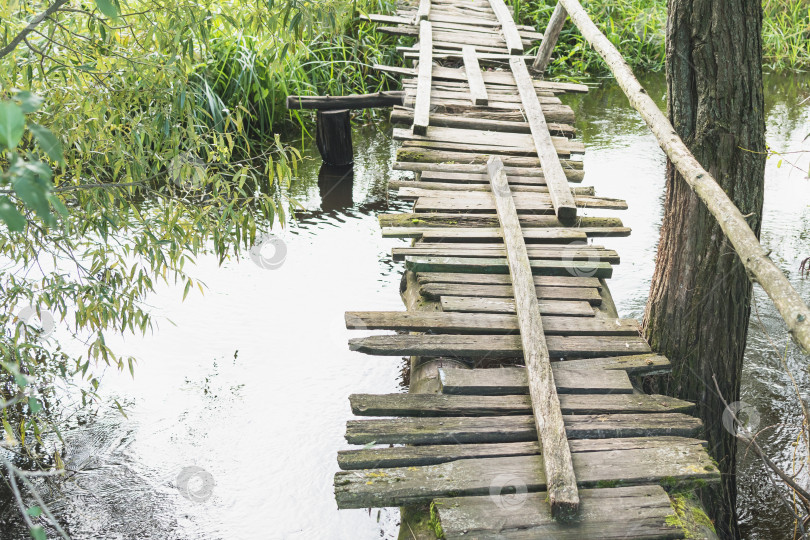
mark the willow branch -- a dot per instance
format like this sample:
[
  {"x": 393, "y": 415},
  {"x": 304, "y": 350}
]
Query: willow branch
[{"x": 5, "y": 51}]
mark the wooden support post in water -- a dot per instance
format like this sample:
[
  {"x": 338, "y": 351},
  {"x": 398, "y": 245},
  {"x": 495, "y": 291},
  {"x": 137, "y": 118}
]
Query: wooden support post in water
[
  {"x": 421, "y": 109},
  {"x": 561, "y": 197},
  {"x": 478, "y": 91},
  {"x": 560, "y": 479},
  {"x": 550, "y": 37},
  {"x": 333, "y": 134}
]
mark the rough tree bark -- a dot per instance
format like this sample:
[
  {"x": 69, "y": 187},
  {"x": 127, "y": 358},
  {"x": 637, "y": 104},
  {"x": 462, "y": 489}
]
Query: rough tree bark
[{"x": 699, "y": 303}]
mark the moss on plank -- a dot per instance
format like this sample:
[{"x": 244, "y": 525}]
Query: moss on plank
[{"x": 689, "y": 516}]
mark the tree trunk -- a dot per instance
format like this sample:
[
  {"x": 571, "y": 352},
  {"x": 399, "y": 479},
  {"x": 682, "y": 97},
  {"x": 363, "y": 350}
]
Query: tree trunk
[{"x": 699, "y": 302}]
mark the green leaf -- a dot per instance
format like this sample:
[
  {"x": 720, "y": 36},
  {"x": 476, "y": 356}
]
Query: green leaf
[
  {"x": 34, "y": 194},
  {"x": 12, "y": 125},
  {"x": 58, "y": 205},
  {"x": 48, "y": 142},
  {"x": 29, "y": 102},
  {"x": 108, "y": 8},
  {"x": 38, "y": 533},
  {"x": 10, "y": 216},
  {"x": 34, "y": 511},
  {"x": 34, "y": 405}
]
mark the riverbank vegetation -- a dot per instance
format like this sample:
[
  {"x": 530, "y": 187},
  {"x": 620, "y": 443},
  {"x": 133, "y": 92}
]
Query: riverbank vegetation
[
  {"x": 134, "y": 137},
  {"x": 637, "y": 29}
]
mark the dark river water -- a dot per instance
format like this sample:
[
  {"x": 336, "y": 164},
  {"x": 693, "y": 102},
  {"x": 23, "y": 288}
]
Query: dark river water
[{"x": 240, "y": 398}]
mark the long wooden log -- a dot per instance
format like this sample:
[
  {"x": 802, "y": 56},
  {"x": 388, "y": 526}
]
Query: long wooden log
[
  {"x": 510, "y": 32},
  {"x": 559, "y": 469},
  {"x": 354, "y": 101},
  {"x": 753, "y": 256},
  {"x": 421, "y": 110},
  {"x": 555, "y": 176}
]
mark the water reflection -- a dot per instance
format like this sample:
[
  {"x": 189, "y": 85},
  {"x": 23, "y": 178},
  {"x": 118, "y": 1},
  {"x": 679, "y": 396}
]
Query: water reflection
[{"x": 336, "y": 185}]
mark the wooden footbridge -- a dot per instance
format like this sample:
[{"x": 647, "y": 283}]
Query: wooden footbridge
[{"x": 523, "y": 419}]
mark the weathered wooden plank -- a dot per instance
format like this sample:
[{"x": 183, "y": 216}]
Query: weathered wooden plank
[
  {"x": 480, "y": 220},
  {"x": 525, "y": 202},
  {"x": 466, "y": 304},
  {"x": 535, "y": 251},
  {"x": 446, "y": 158},
  {"x": 497, "y": 110},
  {"x": 513, "y": 380},
  {"x": 460, "y": 96},
  {"x": 415, "y": 456},
  {"x": 641, "y": 364},
  {"x": 478, "y": 92},
  {"x": 474, "y": 265},
  {"x": 455, "y": 55},
  {"x": 478, "y": 141},
  {"x": 401, "y": 115},
  {"x": 449, "y": 405},
  {"x": 627, "y": 513},
  {"x": 498, "y": 346},
  {"x": 506, "y": 279},
  {"x": 510, "y": 33},
  {"x": 500, "y": 429},
  {"x": 466, "y": 187},
  {"x": 421, "y": 111},
  {"x": 483, "y": 323},
  {"x": 398, "y": 486},
  {"x": 506, "y": 78},
  {"x": 386, "y": 19},
  {"x": 483, "y": 234},
  {"x": 561, "y": 196},
  {"x": 435, "y": 291},
  {"x": 564, "y": 149},
  {"x": 535, "y": 345},
  {"x": 505, "y": 381},
  {"x": 503, "y": 78},
  {"x": 459, "y": 103}
]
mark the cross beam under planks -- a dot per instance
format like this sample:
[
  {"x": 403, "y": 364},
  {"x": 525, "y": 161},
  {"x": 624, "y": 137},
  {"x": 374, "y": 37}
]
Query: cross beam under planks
[
  {"x": 561, "y": 481},
  {"x": 421, "y": 108},
  {"x": 558, "y": 188}
]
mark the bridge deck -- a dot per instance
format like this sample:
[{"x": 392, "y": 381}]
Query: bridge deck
[{"x": 472, "y": 447}]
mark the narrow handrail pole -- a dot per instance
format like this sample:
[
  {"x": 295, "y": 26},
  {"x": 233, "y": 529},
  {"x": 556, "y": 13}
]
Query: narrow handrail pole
[
  {"x": 550, "y": 37},
  {"x": 755, "y": 259}
]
